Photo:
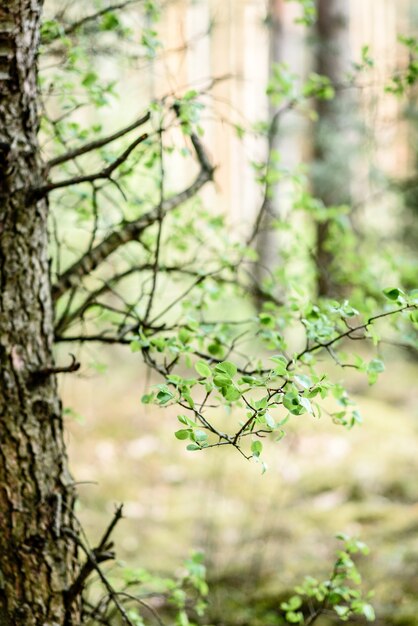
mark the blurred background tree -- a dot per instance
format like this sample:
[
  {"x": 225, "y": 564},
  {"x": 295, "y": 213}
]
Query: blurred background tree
[{"x": 333, "y": 150}]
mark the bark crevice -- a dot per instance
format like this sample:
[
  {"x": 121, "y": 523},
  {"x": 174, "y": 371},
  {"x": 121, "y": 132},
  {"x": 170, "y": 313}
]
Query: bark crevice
[{"x": 36, "y": 564}]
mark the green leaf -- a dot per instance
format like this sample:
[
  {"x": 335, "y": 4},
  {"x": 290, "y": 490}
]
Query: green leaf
[
  {"x": 227, "y": 367},
  {"x": 203, "y": 369},
  {"x": 295, "y": 602},
  {"x": 232, "y": 394},
  {"x": 291, "y": 402},
  {"x": 190, "y": 95},
  {"x": 182, "y": 619},
  {"x": 199, "y": 435},
  {"x": 222, "y": 380},
  {"x": 215, "y": 348},
  {"x": 266, "y": 319},
  {"x": 304, "y": 381},
  {"x": 341, "y": 611},
  {"x": 262, "y": 403},
  {"x": 368, "y": 612},
  {"x": 184, "y": 335},
  {"x": 392, "y": 294},
  {"x": 110, "y": 21},
  {"x": 269, "y": 420},
  {"x": 183, "y": 434},
  {"x": 135, "y": 345},
  {"x": 256, "y": 448},
  {"x": 89, "y": 79},
  {"x": 376, "y": 366},
  {"x": 188, "y": 399},
  {"x": 239, "y": 130},
  {"x": 414, "y": 317},
  {"x": 281, "y": 365},
  {"x": 164, "y": 396},
  {"x": 294, "y": 617},
  {"x": 306, "y": 404},
  {"x": 192, "y": 447}
]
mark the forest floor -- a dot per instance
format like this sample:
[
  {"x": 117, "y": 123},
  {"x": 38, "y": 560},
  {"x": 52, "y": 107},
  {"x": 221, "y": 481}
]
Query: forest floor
[{"x": 261, "y": 533}]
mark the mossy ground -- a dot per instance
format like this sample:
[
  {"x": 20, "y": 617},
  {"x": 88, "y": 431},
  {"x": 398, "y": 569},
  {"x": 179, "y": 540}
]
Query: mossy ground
[{"x": 261, "y": 533}]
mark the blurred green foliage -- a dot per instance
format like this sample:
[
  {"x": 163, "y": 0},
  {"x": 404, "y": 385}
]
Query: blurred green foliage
[{"x": 181, "y": 295}]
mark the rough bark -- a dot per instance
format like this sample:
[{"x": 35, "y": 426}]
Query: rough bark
[
  {"x": 37, "y": 559},
  {"x": 331, "y": 172}
]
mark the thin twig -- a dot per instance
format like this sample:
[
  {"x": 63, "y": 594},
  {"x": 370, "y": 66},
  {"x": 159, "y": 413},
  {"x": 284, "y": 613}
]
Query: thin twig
[
  {"x": 105, "y": 173},
  {"x": 95, "y": 566},
  {"x": 159, "y": 232},
  {"x": 74, "y": 26},
  {"x": 271, "y": 136},
  {"x": 49, "y": 371},
  {"x": 98, "y": 143},
  {"x": 103, "y": 552},
  {"x": 351, "y": 330},
  {"x": 142, "y": 602},
  {"x": 132, "y": 230}
]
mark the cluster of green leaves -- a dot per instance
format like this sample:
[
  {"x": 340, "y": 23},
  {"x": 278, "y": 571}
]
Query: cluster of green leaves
[
  {"x": 348, "y": 268},
  {"x": 366, "y": 61},
  {"x": 404, "y": 79},
  {"x": 354, "y": 267},
  {"x": 149, "y": 37},
  {"x": 263, "y": 394},
  {"x": 284, "y": 86},
  {"x": 234, "y": 376},
  {"x": 308, "y": 16},
  {"x": 276, "y": 373},
  {"x": 190, "y": 109},
  {"x": 183, "y": 597},
  {"x": 340, "y": 592},
  {"x": 72, "y": 78}
]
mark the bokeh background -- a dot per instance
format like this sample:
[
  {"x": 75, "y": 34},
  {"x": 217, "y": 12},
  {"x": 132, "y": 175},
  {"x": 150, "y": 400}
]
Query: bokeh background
[{"x": 261, "y": 533}]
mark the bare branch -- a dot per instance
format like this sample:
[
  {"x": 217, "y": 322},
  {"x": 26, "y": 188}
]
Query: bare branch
[
  {"x": 104, "y": 542},
  {"x": 103, "y": 552},
  {"x": 265, "y": 206},
  {"x": 49, "y": 371},
  {"x": 74, "y": 26},
  {"x": 89, "y": 178},
  {"x": 130, "y": 231},
  {"x": 160, "y": 229},
  {"x": 95, "y": 145},
  {"x": 142, "y": 602}
]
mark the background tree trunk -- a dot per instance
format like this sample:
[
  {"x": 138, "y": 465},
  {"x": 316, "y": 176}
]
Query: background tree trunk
[
  {"x": 331, "y": 171},
  {"x": 267, "y": 241},
  {"x": 37, "y": 559}
]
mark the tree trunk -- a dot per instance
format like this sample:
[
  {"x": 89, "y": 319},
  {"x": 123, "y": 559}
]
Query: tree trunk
[
  {"x": 331, "y": 171},
  {"x": 267, "y": 241},
  {"x": 37, "y": 558}
]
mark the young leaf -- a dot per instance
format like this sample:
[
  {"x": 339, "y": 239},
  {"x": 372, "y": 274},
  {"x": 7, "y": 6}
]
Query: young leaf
[
  {"x": 183, "y": 434},
  {"x": 164, "y": 396},
  {"x": 256, "y": 448},
  {"x": 392, "y": 294},
  {"x": 227, "y": 367},
  {"x": 203, "y": 369}
]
